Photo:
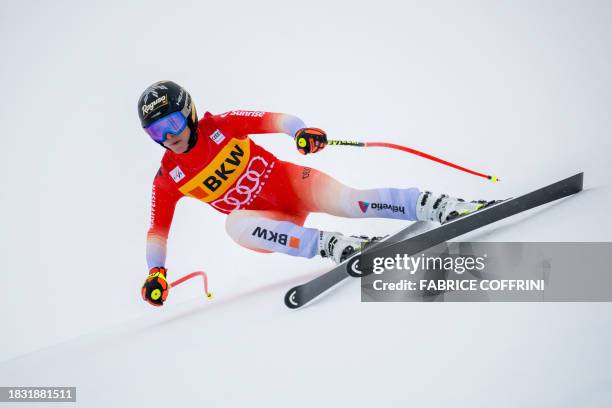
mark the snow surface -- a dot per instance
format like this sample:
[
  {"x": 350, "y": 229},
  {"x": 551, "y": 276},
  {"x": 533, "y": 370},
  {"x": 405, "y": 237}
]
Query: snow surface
[{"x": 520, "y": 89}]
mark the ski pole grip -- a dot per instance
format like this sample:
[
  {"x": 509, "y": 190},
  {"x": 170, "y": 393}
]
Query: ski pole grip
[{"x": 346, "y": 143}]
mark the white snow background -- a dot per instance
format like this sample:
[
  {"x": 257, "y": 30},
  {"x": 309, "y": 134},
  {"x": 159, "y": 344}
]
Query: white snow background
[{"x": 521, "y": 89}]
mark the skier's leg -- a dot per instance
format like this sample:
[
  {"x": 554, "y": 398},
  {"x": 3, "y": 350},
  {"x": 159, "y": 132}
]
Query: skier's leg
[
  {"x": 319, "y": 192},
  {"x": 273, "y": 231},
  {"x": 274, "y": 222}
]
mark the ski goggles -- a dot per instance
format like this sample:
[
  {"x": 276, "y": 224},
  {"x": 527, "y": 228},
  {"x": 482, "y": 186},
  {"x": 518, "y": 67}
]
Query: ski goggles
[{"x": 174, "y": 123}]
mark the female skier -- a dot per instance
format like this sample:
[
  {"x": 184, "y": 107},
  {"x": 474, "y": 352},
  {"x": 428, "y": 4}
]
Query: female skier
[{"x": 266, "y": 199}]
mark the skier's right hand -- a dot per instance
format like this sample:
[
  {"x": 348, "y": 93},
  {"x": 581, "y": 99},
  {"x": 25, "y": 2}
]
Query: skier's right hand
[
  {"x": 155, "y": 288},
  {"x": 310, "y": 140}
]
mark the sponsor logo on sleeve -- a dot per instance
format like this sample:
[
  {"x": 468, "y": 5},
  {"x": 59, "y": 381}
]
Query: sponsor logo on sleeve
[
  {"x": 153, "y": 202},
  {"x": 250, "y": 114}
]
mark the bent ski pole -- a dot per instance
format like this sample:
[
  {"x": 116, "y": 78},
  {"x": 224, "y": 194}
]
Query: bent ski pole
[
  {"x": 177, "y": 282},
  {"x": 413, "y": 151}
]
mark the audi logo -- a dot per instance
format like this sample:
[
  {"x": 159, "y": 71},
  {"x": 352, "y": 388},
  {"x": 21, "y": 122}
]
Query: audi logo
[{"x": 247, "y": 187}]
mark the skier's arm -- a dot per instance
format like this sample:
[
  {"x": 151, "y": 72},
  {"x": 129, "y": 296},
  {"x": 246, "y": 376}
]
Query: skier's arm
[
  {"x": 258, "y": 122},
  {"x": 163, "y": 203},
  {"x": 308, "y": 140}
]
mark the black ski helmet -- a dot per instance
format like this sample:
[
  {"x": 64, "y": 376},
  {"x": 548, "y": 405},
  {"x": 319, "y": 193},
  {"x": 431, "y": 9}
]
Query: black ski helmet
[{"x": 166, "y": 97}]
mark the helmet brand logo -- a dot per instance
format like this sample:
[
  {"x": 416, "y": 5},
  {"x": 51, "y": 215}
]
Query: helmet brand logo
[{"x": 156, "y": 104}]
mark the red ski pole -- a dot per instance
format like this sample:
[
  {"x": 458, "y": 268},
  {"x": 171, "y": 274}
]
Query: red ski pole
[
  {"x": 413, "y": 151},
  {"x": 177, "y": 282}
]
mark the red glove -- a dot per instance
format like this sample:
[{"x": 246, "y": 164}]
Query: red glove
[
  {"x": 155, "y": 288},
  {"x": 310, "y": 140}
]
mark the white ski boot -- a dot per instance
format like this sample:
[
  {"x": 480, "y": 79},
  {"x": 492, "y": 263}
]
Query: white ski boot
[
  {"x": 443, "y": 208},
  {"x": 339, "y": 247}
]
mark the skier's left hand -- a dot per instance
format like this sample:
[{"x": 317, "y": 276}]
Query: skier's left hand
[{"x": 310, "y": 140}]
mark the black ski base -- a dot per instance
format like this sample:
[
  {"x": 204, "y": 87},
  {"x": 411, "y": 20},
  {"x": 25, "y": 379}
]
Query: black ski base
[{"x": 361, "y": 263}]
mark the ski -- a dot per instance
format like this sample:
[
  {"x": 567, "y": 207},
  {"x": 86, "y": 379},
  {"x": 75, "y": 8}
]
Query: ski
[{"x": 413, "y": 240}]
